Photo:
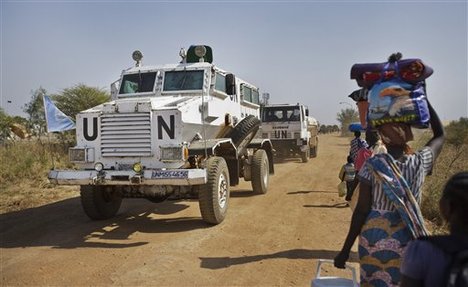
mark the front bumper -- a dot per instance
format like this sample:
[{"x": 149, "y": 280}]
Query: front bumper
[{"x": 181, "y": 177}]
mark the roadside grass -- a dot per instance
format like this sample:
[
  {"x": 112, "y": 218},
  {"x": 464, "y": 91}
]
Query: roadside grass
[
  {"x": 452, "y": 159},
  {"x": 23, "y": 174}
]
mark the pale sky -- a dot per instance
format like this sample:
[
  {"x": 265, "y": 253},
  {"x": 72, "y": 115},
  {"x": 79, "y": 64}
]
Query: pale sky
[{"x": 298, "y": 51}]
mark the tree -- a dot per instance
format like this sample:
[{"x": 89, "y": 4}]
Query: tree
[
  {"x": 335, "y": 128},
  {"x": 5, "y": 122},
  {"x": 345, "y": 117},
  {"x": 73, "y": 100},
  {"x": 35, "y": 111},
  {"x": 12, "y": 125}
]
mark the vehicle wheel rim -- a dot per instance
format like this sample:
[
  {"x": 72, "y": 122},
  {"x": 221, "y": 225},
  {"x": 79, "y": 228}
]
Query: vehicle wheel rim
[{"x": 222, "y": 191}]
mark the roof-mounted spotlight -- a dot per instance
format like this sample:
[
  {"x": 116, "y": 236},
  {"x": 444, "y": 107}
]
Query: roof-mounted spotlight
[
  {"x": 200, "y": 52},
  {"x": 137, "y": 56}
]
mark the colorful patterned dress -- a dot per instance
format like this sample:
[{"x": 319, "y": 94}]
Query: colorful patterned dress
[{"x": 385, "y": 234}]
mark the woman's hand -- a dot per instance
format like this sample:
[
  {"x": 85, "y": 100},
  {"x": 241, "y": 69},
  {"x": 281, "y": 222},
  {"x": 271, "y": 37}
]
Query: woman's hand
[{"x": 340, "y": 259}]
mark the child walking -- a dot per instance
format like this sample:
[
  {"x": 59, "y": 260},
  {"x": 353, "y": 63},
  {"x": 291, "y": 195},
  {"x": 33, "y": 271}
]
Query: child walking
[{"x": 347, "y": 174}]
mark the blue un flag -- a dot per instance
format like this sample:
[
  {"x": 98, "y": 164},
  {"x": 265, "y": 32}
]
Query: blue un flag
[{"x": 56, "y": 120}]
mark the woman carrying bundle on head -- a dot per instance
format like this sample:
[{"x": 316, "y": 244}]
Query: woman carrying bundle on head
[{"x": 387, "y": 214}]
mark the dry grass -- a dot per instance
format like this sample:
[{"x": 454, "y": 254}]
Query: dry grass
[
  {"x": 23, "y": 174},
  {"x": 451, "y": 160}
]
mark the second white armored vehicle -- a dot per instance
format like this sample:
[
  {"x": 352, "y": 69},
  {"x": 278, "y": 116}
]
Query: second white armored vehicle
[{"x": 292, "y": 131}]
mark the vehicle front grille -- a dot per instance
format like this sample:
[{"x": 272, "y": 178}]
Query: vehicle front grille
[{"x": 126, "y": 134}]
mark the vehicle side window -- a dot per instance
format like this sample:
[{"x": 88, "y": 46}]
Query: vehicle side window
[
  {"x": 255, "y": 97},
  {"x": 220, "y": 83},
  {"x": 247, "y": 92}
]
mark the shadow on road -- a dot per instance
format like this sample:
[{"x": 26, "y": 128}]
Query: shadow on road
[
  {"x": 336, "y": 205},
  {"x": 243, "y": 193},
  {"x": 280, "y": 160},
  {"x": 225, "y": 262},
  {"x": 312, "y": 191},
  {"x": 63, "y": 224}
]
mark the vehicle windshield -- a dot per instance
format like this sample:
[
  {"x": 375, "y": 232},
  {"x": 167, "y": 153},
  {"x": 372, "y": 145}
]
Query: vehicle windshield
[
  {"x": 137, "y": 83},
  {"x": 183, "y": 80},
  {"x": 281, "y": 114}
]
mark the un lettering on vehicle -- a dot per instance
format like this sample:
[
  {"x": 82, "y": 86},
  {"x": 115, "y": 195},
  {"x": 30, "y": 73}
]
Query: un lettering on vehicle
[
  {"x": 280, "y": 134},
  {"x": 165, "y": 126}
]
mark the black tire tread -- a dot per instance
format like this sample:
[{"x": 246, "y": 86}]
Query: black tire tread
[
  {"x": 247, "y": 126},
  {"x": 207, "y": 193},
  {"x": 94, "y": 204},
  {"x": 258, "y": 170}
]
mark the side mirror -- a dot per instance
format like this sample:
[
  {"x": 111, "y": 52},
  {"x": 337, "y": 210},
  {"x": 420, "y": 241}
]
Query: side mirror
[{"x": 230, "y": 84}]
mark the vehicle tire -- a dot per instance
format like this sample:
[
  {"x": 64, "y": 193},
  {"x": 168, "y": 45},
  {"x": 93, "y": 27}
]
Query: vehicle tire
[
  {"x": 244, "y": 132},
  {"x": 100, "y": 202},
  {"x": 213, "y": 196},
  {"x": 305, "y": 155},
  {"x": 313, "y": 150},
  {"x": 260, "y": 172}
]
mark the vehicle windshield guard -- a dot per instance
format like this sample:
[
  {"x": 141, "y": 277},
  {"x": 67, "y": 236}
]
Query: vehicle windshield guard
[
  {"x": 183, "y": 80},
  {"x": 138, "y": 83},
  {"x": 281, "y": 114}
]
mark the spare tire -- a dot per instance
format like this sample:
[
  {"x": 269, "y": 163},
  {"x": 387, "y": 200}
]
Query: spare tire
[{"x": 244, "y": 132}]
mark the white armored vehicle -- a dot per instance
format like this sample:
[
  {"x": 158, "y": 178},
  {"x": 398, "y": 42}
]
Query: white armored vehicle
[
  {"x": 291, "y": 129},
  {"x": 183, "y": 130}
]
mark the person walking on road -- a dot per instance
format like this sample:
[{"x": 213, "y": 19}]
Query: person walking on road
[
  {"x": 387, "y": 214},
  {"x": 348, "y": 174},
  {"x": 374, "y": 146},
  {"x": 355, "y": 144}
]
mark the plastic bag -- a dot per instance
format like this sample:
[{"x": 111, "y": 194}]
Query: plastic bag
[
  {"x": 396, "y": 101},
  {"x": 342, "y": 189}
]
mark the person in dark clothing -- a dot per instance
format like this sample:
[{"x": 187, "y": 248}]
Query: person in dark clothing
[
  {"x": 348, "y": 174},
  {"x": 424, "y": 264}
]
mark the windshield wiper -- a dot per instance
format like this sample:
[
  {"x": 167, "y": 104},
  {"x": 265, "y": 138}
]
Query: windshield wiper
[
  {"x": 183, "y": 79},
  {"x": 140, "y": 82}
]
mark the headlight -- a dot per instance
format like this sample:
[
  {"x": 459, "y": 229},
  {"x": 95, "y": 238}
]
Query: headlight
[
  {"x": 179, "y": 153},
  {"x": 81, "y": 154},
  {"x": 98, "y": 166},
  {"x": 200, "y": 51},
  {"x": 76, "y": 154},
  {"x": 137, "y": 167}
]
